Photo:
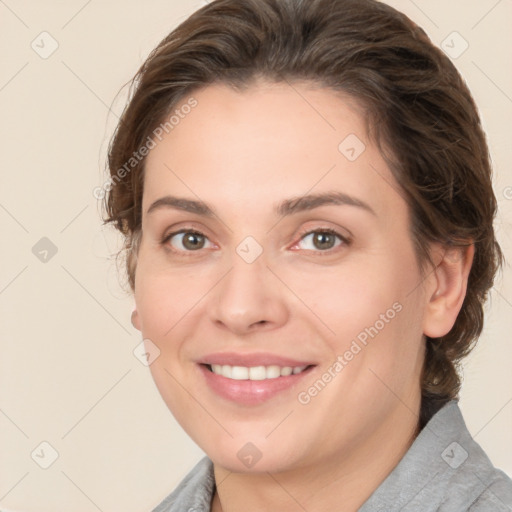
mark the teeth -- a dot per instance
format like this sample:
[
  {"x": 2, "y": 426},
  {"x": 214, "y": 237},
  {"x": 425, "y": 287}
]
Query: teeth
[
  {"x": 255, "y": 372},
  {"x": 239, "y": 372},
  {"x": 226, "y": 370}
]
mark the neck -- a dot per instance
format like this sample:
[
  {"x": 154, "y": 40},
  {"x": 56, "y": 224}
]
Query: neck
[{"x": 342, "y": 482}]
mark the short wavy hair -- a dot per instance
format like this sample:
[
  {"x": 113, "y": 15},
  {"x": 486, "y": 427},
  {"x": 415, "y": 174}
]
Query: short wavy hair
[{"x": 419, "y": 113}]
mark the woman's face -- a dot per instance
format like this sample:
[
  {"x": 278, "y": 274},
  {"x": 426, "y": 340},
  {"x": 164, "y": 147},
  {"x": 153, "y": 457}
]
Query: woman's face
[{"x": 275, "y": 241}]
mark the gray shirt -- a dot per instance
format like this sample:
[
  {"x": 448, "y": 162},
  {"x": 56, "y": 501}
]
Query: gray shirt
[{"x": 444, "y": 470}]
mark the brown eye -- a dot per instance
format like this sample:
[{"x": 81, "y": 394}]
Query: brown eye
[
  {"x": 187, "y": 241},
  {"x": 324, "y": 240},
  {"x": 321, "y": 240}
]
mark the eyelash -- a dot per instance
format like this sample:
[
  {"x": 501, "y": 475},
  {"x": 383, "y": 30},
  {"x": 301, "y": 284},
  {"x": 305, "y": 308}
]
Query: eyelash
[{"x": 344, "y": 240}]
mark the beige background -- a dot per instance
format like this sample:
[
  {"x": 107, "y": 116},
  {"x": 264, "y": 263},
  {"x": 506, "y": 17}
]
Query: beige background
[{"x": 68, "y": 375}]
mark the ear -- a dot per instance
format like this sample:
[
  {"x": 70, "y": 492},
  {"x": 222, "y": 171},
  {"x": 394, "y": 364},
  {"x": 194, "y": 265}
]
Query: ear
[
  {"x": 135, "y": 319},
  {"x": 449, "y": 284}
]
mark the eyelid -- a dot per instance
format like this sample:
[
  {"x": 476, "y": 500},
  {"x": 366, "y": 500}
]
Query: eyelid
[
  {"x": 166, "y": 238},
  {"x": 345, "y": 239},
  {"x": 308, "y": 230}
]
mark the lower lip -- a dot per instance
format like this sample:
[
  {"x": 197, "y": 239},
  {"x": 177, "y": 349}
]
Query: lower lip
[{"x": 250, "y": 392}]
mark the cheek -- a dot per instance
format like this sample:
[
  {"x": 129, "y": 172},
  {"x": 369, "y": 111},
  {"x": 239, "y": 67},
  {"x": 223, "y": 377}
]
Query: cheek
[
  {"x": 371, "y": 301},
  {"x": 164, "y": 297},
  {"x": 348, "y": 298},
  {"x": 173, "y": 387},
  {"x": 167, "y": 303}
]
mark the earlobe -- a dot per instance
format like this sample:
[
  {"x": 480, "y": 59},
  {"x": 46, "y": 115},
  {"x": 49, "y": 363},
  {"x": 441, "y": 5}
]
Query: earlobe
[
  {"x": 450, "y": 279},
  {"x": 135, "y": 319}
]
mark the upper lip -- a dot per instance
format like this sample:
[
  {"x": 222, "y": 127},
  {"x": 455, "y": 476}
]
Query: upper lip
[{"x": 251, "y": 359}]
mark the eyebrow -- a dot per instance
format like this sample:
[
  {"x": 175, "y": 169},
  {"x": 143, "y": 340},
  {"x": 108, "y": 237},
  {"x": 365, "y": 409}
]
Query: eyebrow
[{"x": 285, "y": 208}]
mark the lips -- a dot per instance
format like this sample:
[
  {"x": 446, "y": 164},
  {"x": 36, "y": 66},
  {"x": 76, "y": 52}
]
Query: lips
[
  {"x": 252, "y": 379},
  {"x": 254, "y": 359}
]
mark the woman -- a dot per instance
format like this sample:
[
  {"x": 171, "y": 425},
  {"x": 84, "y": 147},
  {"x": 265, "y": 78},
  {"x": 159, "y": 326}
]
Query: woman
[{"x": 305, "y": 193}]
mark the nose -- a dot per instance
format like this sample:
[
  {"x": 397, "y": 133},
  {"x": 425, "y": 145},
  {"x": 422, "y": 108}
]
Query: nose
[{"x": 248, "y": 298}]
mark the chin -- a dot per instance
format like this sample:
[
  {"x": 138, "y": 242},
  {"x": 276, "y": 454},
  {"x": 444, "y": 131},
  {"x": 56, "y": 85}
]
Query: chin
[{"x": 257, "y": 456}]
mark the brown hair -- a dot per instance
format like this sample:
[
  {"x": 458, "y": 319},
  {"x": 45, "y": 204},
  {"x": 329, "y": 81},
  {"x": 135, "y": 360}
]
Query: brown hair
[{"x": 419, "y": 111}]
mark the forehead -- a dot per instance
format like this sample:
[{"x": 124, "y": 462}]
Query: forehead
[{"x": 272, "y": 141}]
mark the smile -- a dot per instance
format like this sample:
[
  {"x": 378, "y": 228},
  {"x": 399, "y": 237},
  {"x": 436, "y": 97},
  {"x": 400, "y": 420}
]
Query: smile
[
  {"x": 255, "y": 372},
  {"x": 252, "y": 384}
]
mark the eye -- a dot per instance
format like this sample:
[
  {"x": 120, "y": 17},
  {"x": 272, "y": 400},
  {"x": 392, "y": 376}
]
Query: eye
[
  {"x": 186, "y": 240},
  {"x": 322, "y": 240}
]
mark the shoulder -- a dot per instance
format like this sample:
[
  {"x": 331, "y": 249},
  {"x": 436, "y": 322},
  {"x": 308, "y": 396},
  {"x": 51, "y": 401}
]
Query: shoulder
[
  {"x": 476, "y": 486},
  {"x": 194, "y": 492},
  {"x": 444, "y": 470},
  {"x": 497, "y": 496},
  {"x": 472, "y": 481}
]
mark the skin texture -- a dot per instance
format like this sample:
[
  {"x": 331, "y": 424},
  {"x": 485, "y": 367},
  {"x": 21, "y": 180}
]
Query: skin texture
[{"x": 242, "y": 153}]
